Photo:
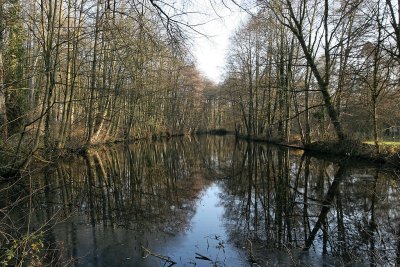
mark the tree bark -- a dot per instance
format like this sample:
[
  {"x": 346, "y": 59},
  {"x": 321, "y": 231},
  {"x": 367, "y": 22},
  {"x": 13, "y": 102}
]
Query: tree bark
[
  {"x": 3, "y": 113},
  {"x": 93, "y": 78},
  {"x": 322, "y": 81}
]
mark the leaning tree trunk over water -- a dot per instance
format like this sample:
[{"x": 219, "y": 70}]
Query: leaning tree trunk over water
[{"x": 295, "y": 24}]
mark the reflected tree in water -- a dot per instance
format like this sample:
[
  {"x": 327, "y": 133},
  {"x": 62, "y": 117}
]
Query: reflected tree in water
[
  {"x": 282, "y": 200},
  {"x": 279, "y": 200}
]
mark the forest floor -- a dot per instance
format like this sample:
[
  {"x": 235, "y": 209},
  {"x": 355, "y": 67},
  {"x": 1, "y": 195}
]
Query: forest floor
[{"x": 394, "y": 144}]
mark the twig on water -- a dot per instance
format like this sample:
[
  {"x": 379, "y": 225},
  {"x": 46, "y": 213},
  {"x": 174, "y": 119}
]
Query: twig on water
[
  {"x": 202, "y": 257},
  {"x": 162, "y": 257}
]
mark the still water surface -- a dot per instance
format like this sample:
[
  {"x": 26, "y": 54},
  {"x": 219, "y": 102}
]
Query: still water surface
[{"x": 211, "y": 201}]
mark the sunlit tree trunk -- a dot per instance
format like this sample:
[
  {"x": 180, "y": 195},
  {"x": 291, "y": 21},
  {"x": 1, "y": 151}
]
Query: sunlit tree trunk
[
  {"x": 294, "y": 22},
  {"x": 307, "y": 137},
  {"x": 93, "y": 78},
  {"x": 3, "y": 114},
  {"x": 376, "y": 80},
  {"x": 51, "y": 26}
]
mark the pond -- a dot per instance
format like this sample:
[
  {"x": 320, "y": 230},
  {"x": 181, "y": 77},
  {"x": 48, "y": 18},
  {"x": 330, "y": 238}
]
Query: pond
[{"x": 210, "y": 201}]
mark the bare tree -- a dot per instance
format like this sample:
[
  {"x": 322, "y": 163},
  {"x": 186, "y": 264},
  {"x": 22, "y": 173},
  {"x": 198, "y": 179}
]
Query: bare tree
[{"x": 3, "y": 114}]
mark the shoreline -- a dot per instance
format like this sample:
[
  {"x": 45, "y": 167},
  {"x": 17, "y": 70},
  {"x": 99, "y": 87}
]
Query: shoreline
[{"x": 350, "y": 149}]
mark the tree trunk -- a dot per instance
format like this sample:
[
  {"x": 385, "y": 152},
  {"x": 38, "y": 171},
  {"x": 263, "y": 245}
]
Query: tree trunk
[
  {"x": 93, "y": 78},
  {"x": 3, "y": 114},
  {"x": 51, "y": 56},
  {"x": 323, "y": 82}
]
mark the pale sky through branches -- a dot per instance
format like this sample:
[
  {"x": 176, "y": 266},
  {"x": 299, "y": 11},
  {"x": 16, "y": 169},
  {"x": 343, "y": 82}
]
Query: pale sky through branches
[{"x": 220, "y": 22}]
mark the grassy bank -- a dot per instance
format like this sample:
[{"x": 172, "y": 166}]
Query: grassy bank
[{"x": 389, "y": 152}]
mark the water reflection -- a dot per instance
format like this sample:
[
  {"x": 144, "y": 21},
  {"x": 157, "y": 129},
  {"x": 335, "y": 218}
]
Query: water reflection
[
  {"x": 159, "y": 196},
  {"x": 227, "y": 201},
  {"x": 296, "y": 203}
]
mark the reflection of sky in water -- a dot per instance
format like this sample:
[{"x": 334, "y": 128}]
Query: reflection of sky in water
[
  {"x": 176, "y": 206},
  {"x": 106, "y": 246},
  {"x": 206, "y": 235}
]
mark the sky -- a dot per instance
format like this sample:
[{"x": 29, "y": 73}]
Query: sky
[{"x": 220, "y": 23}]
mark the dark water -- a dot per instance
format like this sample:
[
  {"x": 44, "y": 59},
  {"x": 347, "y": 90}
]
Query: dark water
[{"x": 209, "y": 201}]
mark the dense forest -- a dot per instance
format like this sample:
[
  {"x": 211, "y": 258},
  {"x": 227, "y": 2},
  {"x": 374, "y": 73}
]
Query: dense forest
[
  {"x": 82, "y": 72},
  {"x": 77, "y": 72},
  {"x": 316, "y": 69}
]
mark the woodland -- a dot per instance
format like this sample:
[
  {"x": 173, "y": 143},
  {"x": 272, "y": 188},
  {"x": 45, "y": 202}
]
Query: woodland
[
  {"x": 74, "y": 73},
  {"x": 77, "y": 76}
]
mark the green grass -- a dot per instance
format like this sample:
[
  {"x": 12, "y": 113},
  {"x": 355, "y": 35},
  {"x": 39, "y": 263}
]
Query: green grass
[{"x": 383, "y": 143}]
